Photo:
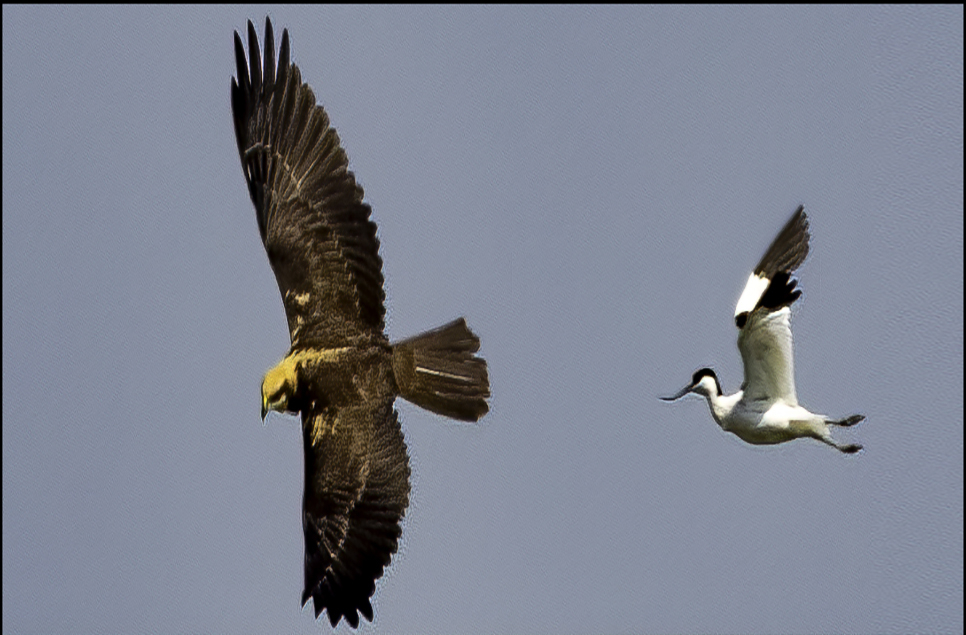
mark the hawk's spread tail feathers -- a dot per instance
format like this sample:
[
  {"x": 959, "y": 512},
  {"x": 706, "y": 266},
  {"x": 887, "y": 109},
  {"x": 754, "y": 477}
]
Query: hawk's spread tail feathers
[{"x": 438, "y": 370}]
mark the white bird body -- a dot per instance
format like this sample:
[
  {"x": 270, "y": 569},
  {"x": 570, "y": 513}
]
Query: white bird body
[
  {"x": 763, "y": 423},
  {"x": 766, "y": 411}
]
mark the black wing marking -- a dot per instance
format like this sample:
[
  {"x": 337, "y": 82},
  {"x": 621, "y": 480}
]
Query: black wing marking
[
  {"x": 782, "y": 291},
  {"x": 316, "y": 229},
  {"x": 356, "y": 493}
]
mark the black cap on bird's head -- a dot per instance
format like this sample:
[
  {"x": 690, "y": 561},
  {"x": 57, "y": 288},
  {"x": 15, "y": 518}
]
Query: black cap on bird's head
[{"x": 697, "y": 386}]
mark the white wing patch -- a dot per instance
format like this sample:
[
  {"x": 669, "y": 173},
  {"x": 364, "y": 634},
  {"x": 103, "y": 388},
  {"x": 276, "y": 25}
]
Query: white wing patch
[{"x": 755, "y": 286}]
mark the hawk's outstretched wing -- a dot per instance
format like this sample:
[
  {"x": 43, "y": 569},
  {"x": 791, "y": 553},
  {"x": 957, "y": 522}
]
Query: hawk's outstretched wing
[
  {"x": 314, "y": 225},
  {"x": 356, "y": 492}
]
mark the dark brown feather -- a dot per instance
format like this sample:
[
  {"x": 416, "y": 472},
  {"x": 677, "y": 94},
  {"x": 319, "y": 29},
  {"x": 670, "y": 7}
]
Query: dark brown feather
[
  {"x": 356, "y": 493},
  {"x": 314, "y": 224}
]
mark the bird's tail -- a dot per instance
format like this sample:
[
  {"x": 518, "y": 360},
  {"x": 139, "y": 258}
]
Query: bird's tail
[{"x": 438, "y": 370}]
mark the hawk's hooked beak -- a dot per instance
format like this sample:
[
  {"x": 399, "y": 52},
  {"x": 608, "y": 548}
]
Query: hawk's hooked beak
[
  {"x": 680, "y": 394},
  {"x": 264, "y": 409}
]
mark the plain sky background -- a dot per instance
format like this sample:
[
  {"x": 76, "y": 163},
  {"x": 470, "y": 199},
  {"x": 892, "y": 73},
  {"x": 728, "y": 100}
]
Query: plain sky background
[{"x": 590, "y": 187}]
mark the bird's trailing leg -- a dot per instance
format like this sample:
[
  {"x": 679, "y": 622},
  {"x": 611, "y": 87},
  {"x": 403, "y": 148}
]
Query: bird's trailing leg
[
  {"x": 847, "y": 448},
  {"x": 850, "y": 448},
  {"x": 850, "y": 421}
]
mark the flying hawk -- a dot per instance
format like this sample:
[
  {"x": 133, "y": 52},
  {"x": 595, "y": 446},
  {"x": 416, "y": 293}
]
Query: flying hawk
[{"x": 341, "y": 373}]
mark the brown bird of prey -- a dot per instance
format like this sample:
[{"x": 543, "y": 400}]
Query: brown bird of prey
[{"x": 341, "y": 374}]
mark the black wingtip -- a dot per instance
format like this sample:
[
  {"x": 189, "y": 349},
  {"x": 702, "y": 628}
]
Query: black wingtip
[
  {"x": 268, "y": 75},
  {"x": 254, "y": 72},
  {"x": 366, "y": 610},
  {"x": 254, "y": 59},
  {"x": 241, "y": 64},
  {"x": 283, "y": 52},
  {"x": 789, "y": 249}
]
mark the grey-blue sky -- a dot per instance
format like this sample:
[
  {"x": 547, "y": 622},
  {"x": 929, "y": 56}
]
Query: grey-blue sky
[{"x": 590, "y": 188}]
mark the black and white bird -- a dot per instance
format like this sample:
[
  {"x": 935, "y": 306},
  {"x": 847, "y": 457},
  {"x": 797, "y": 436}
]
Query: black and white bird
[{"x": 765, "y": 410}]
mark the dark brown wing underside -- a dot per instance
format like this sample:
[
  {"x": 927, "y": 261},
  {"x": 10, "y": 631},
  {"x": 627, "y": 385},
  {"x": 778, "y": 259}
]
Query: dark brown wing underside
[
  {"x": 316, "y": 229},
  {"x": 356, "y": 493}
]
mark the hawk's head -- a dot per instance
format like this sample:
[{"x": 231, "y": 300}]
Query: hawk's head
[{"x": 278, "y": 387}]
